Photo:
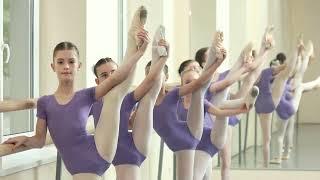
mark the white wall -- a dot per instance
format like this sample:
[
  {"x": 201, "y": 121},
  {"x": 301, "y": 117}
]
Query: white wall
[
  {"x": 202, "y": 24},
  {"x": 61, "y": 21},
  {"x": 102, "y": 31}
]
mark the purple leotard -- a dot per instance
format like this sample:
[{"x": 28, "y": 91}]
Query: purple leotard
[
  {"x": 174, "y": 132},
  {"x": 233, "y": 121},
  {"x": 264, "y": 102},
  {"x": 67, "y": 127},
  {"x": 127, "y": 153},
  {"x": 183, "y": 112},
  {"x": 205, "y": 143},
  {"x": 285, "y": 107}
]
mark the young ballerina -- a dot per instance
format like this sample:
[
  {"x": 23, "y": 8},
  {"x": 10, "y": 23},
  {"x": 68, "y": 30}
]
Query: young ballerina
[
  {"x": 133, "y": 146},
  {"x": 205, "y": 146},
  {"x": 65, "y": 112},
  {"x": 219, "y": 130},
  {"x": 215, "y": 139},
  {"x": 289, "y": 104},
  {"x": 183, "y": 137},
  {"x": 225, "y": 152},
  {"x": 272, "y": 87}
]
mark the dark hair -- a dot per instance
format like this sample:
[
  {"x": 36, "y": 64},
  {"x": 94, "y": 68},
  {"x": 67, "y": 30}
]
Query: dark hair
[
  {"x": 200, "y": 56},
  {"x": 281, "y": 57},
  {"x": 184, "y": 64},
  {"x": 165, "y": 68},
  {"x": 65, "y": 46},
  {"x": 100, "y": 62}
]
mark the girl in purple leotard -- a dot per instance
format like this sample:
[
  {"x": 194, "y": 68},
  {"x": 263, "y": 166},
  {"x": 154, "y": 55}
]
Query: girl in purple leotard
[
  {"x": 133, "y": 145},
  {"x": 220, "y": 129},
  {"x": 289, "y": 103},
  {"x": 182, "y": 137},
  {"x": 272, "y": 84},
  {"x": 65, "y": 112},
  {"x": 207, "y": 146}
]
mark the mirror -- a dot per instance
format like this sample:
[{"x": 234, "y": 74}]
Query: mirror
[
  {"x": 245, "y": 21},
  {"x": 190, "y": 26}
]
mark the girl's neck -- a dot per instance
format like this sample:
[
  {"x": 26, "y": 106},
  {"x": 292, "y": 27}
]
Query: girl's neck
[{"x": 65, "y": 88}]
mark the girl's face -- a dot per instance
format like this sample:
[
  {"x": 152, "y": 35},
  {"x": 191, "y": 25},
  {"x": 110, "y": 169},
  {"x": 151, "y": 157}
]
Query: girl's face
[
  {"x": 105, "y": 70},
  {"x": 66, "y": 65},
  {"x": 189, "y": 77},
  {"x": 193, "y": 65}
]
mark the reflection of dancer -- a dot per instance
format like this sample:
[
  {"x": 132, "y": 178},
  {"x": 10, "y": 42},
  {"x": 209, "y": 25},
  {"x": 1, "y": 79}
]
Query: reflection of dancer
[
  {"x": 214, "y": 138},
  {"x": 289, "y": 104},
  {"x": 183, "y": 137},
  {"x": 272, "y": 86},
  {"x": 133, "y": 146},
  {"x": 219, "y": 135},
  {"x": 201, "y": 58},
  {"x": 65, "y": 113},
  {"x": 248, "y": 82},
  {"x": 206, "y": 149}
]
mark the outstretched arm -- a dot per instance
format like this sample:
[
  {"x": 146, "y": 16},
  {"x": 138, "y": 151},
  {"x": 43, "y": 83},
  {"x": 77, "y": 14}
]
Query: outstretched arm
[
  {"x": 12, "y": 105},
  {"x": 226, "y": 112}
]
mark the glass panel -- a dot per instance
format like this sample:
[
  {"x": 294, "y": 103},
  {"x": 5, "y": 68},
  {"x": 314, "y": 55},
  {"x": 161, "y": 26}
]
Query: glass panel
[{"x": 17, "y": 74}]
